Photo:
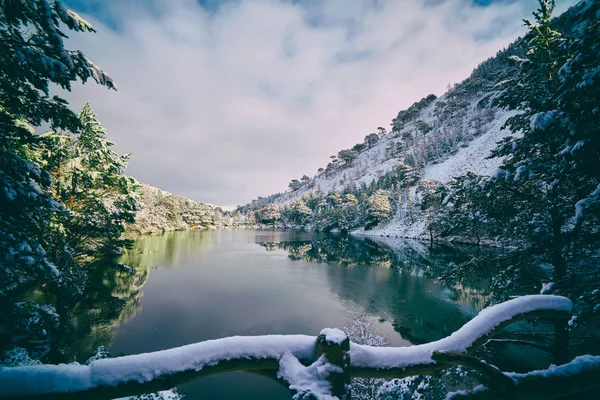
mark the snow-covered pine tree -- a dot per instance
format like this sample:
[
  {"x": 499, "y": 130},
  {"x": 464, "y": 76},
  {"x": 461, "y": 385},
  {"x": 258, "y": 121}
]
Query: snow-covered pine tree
[
  {"x": 32, "y": 58},
  {"x": 551, "y": 174},
  {"x": 89, "y": 182}
]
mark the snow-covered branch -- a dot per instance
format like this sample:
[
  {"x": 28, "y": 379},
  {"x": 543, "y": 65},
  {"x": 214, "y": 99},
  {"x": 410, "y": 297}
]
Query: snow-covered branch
[{"x": 287, "y": 354}]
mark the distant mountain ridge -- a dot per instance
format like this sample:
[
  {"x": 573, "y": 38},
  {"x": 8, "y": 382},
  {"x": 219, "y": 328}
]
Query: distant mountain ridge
[{"x": 160, "y": 211}]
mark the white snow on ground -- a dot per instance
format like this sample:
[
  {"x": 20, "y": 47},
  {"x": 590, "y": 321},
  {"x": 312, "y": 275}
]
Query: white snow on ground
[
  {"x": 473, "y": 157},
  {"x": 372, "y": 163},
  {"x": 47, "y": 379},
  {"x": 468, "y": 159},
  {"x": 459, "y": 341}
]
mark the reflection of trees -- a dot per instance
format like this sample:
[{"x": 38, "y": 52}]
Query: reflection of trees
[
  {"x": 114, "y": 292},
  {"x": 400, "y": 287},
  {"x": 112, "y": 297},
  {"x": 337, "y": 250},
  {"x": 170, "y": 248}
]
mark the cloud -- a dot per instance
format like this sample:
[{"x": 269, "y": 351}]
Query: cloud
[{"x": 223, "y": 104}]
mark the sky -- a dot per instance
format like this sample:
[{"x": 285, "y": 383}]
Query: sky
[{"x": 225, "y": 101}]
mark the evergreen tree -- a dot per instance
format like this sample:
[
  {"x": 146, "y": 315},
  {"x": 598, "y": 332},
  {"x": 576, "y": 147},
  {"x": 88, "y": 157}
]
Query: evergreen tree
[
  {"x": 379, "y": 208},
  {"x": 33, "y": 58},
  {"x": 89, "y": 181},
  {"x": 551, "y": 173}
]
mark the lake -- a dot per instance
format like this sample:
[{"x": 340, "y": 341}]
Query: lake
[{"x": 186, "y": 287}]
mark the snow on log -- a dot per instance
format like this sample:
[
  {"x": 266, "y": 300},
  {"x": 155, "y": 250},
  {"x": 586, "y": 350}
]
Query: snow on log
[
  {"x": 221, "y": 355},
  {"x": 39, "y": 380},
  {"x": 461, "y": 340}
]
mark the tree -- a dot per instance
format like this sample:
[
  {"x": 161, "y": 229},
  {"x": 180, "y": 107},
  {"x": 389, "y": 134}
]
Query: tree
[
  {"x": 371, "y": 139},
  {"x": 33, "y": 59},
  {"x": 270, "y": 214},
  {"x": 379, "y": 208},
  {"x": 320, "y": 171},
  {"x": 298, "y": 213},
  {"x": 358, "y": 147},
  {"x": 543, "y": 46},
  {"x": 295, "y": 185},
  {"x": 305, "y": 179},
  {"x": 552, "y": 171},
  {"x": 347, "y": 156},
  {"x": 89, "y": 182},
  {"x": 407, "y": 176}
]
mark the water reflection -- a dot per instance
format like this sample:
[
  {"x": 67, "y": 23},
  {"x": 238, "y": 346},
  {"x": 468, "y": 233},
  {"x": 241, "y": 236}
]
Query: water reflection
[
  {"x": 112, "y": 298},
  {"x": 393, "y": 281},
  {"x": 184, "y": 287}
]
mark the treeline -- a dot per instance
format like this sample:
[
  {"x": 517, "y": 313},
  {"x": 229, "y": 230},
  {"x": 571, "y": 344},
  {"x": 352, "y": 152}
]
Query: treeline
[{"x": 345, "y": 210}]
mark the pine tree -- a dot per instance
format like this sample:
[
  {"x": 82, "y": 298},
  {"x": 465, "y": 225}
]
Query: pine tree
[
  {"x": 549, "y": 181},
  {"x": 89, "y": 182},
  {"x": 379, "y": 208},
  {"x": 543, "y": 46},
  {"x": 33, "y": 58}
]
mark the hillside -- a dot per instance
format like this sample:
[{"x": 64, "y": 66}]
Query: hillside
[
  {"x": 386, "y": 185},
  {"x": 160, "y": 211},
  {"x": 435, "y": 139}
]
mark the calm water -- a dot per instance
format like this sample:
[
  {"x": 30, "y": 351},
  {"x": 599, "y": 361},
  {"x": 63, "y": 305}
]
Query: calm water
[{"x": 193, "y": 286}]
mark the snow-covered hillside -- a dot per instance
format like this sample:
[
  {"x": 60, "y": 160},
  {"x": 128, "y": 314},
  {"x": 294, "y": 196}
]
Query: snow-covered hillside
[
  {"x": 160, "y": 211},
  {"x": 438, "y": 138},
  {"x": 421, "y": 178}
]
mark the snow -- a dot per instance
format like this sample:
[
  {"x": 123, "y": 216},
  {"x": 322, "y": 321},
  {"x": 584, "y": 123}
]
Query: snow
[
  {"x": 578, "y": 365},
  {"x": 459, "y": 341},
  {"x": 334, "y": 335},
  {"x": 581, "y": 205},
  {"x": 547, "y": 287},
  {"x": 542, "y": 120},
  {"x": 305, "y": 380},
  {"x": 473, "y": 158},
  {"x": 47, "y": 379}
]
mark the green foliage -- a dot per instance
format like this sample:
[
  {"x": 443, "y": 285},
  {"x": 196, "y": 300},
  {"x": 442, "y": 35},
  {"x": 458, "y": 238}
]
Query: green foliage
[
  {"x": 297, "y": 213},
  {"x": 379, "y": 208},
  {"x": 89, "y": 182},
  {"x": 409, "y": 115},
  {"x": 543, "y": 45},
  {"x": 371, "y": 140},
  {"x": 63, "y": 196},
  {"x": 269, "y": 215},
  {"x": 347, "y": 156}
]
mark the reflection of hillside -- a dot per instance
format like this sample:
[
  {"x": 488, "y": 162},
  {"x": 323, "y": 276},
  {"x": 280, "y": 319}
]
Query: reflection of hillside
[
  {"x": 170, "y": 248},
  {"x": 336, "y": 250},
  {"x": 394, "y": 280}
]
